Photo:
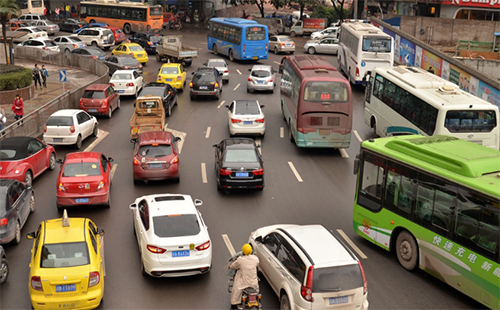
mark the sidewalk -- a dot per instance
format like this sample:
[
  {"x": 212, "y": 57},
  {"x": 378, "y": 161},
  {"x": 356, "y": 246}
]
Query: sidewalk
[{"x": 75, "y": 79}]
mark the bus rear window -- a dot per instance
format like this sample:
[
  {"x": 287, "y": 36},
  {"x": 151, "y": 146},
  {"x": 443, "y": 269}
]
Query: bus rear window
[
  {"x": 256, "y": 34},
  {"x": 376, "y": 44},
  {"x": 470, "y": 121},
  {"x": 155, "y": 11},
  {"x": 326, "y": 92}
]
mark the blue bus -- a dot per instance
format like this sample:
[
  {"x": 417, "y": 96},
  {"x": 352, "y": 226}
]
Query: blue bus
[{"x": 238, "y": 38}]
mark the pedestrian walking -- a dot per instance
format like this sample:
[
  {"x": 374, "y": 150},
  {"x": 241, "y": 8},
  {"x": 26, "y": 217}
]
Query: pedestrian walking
[
  {"x": 57, "y": 13},
  {"x": 45, "y": 11},
  {"x": 3, "y": 119},
  {"x": 45, "y": 75},
  {"x": 18, "y": 108},
  {"x": 73, "y": 11},
  {"x": 36, "y": 76},
  {"x": 68, "y": 10}
]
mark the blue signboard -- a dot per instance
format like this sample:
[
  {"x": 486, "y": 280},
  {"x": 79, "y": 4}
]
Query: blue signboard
[
  {"x": 406, "y": 52},
  {"x": 62, "y": 75}
]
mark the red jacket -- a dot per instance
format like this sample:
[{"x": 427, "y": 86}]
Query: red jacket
[{"x": 18, "y": 106}]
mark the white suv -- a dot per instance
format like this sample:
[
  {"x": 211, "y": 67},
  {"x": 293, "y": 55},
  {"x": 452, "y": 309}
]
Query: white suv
[
  {"x": 309, "y": 268},
  {"x": 30, "y": 18},
  {"x": 97, "y": 37}
]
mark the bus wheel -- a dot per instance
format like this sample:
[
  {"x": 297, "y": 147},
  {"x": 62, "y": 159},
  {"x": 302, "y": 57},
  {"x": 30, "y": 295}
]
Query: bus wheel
[
  {"x": 92, "y": 20},
  {"x": 373, "y": 124},
  {"x": 290, "y": 135},
  {"x": 231, "y": 55},
  {"x": 214, "y": 48},
  {"x": 127, "y": 29},
  {"x": 158, "y": 58},
  {"x": 407, "y": 250}
]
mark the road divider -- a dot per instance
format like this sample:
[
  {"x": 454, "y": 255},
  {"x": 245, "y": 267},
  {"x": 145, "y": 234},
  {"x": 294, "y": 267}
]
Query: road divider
[
  {"x": 207, "y": 135},
  {"x": 204, "y": 173},
  {"x": 357, "y": 136},
  {"x": 343, "y": 153},
  {"x": 101, "y": 134},
  {"x": 282, "y": 132},
  {"x": 297, "y": 175},
  {"x": 237, "y": 86},
  {"x": 220, "y": 104},
  {"x": 353, "y": 246},
  {"x": 229, "y": 245}
]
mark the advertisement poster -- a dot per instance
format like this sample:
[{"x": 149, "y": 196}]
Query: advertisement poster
[
  {"x": 432, "y": 63},
  {"x": 461, "y": 78},
  {"x": 488, "y": 93},
  {"x": 474, "y": 85},
  {"x": 418, "y": 56},
  {"x": 445, "y": 73},
  {"x": 397, "y": 47},
  {"x": 407, "y": 53}
]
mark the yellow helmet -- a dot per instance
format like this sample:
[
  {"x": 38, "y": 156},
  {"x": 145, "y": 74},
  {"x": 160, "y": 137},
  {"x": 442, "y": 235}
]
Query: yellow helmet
[{"x": 247, "y": 249}]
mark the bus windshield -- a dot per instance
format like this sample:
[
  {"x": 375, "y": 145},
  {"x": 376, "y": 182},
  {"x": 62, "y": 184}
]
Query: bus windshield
[
  {"x": 256, "y": 34},
  {"x": 376, "y": 44},
  {"x": 326, "y": 92}
]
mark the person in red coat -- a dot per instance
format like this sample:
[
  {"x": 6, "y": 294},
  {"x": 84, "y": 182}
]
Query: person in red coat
[{"x": 18, "y": 108}]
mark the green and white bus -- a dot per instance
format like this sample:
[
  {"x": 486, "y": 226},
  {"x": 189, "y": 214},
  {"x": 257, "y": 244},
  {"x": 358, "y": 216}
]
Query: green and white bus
[{"x": 435, "y": 201}]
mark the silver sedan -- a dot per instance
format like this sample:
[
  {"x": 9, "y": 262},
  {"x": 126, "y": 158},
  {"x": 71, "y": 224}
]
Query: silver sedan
[
  {"x": 323, "y": 46},
  {"x": 279, "y": 44},
  {"x": 47, "y": 26},
  {"x": 69, "y": 43}
]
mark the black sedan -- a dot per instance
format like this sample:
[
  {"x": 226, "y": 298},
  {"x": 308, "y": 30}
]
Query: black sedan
[
  {"x": 238, "y": 164},
  {"x": 90, "y": 51},
  {"x": 72, "y": 24},
  {"x": 167, "y": 92},
  {"x": 206, "y": 82},
  {"x": 147, "y": 40},
  {"x": 17, "y": 201},
  {"x": 122, "y": 63}
]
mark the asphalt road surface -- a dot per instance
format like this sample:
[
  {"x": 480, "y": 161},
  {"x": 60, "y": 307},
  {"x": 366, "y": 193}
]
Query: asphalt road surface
[{"x": 320, "y": 192}]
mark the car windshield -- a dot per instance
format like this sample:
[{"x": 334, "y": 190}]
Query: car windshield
[
  {"x": 129, "y": 61},
  {"x": 6, "y": 154},
  {"x": 169, "y": 70},
  {"x": 81, "y": 169},
  {"x": 155, "y": 38},
  {"x": 93, "y": 94},
  {"x": 326, "y": 92},
  {"x": 335, "y": 279},
  {"x": 256, "y": 34},
  {"x": 203, "y": 77},
  {"x": 248, "y": 107},
  {"x": 240, "y": 156},
  {"x": 217, "y": 64},
  {"x": 118, "y": 31},
  {"x": 68, "y": 254},
  {"x": 176, "y": 225},
  {"x": 152, "y": 151},
  {"x": 60, "y": 121},
  {"x": 260, "y": 73},
  {"x": 122, "y": 76},
  {"x": 376, "y": 44},
  {"x": 135, "y": 48},
  {"x": 287, "y": 39}
]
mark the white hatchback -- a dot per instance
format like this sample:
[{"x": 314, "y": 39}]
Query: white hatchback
[
  {"x": 309, "y": 268},
  {"x": 127, "y": 82},
  {"x": 172, "y": 236},
  {"x": 221, "y": 66},
  {"x": 262, "y": 77},
  {"x": 26, "y": 33},
  {"x": 245, "y": 117},
  {"x": 68, "y": 127}
]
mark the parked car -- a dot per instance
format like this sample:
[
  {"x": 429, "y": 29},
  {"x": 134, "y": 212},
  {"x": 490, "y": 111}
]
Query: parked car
[
  {"x": 100, "y": 99},
  {"x": 69, "y": 43},
  {"x": 221, "y": 66},
  {"x": 133, "y": 49},
  {"x": 18, "y": 202},
  {"x": 173, "y": 74},
  {"x": 261, "y": 78},
  {"x": 309, "y": 268},
  {"x": 281, "y": 44},
  {"x": 118, "y": 33},
  {"x": 326, "y": 45},
  {"x": 90, "y": 51},
  {"x": 69, "y": 127},
  {"x": 165, "y": 91},
  {"x": 328, "y": 32},
  {"x": 72, "y": 24},
  {"x": 123, "y": 62},
  {"x": 25, "y": 158},
  {"x": 90, "y": 25},
  {"x": 16, "y": 24},
  {"x": 26, "y": 33},
  {"x": 97, "y": 37},
  {"x": 47, "y": 26},
  {"x": 168, "y": 17},
  {"x": 245, "y": 117},
  {"x": 173, "y": 239},
  {"x": 44, "y": 44},
  {"x": 147, "y": 40},
  {"x": 127, "y": 82},
  {"x": 156, "y": 157},
  {"x": 31, "y": 17},
  {"x": 84, "y": 179},
  {"x": 206, "y": 82},
  {"x": 4, "y": 266},
  {"x": 67, "y": 264},
  {"x": 238, "y": 164}
]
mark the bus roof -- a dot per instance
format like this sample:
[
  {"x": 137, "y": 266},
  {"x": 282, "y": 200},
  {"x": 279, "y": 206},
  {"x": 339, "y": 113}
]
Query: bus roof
[
  {"x": 467, "y": 163},
  {"x": 363, "y": 28},
  {"x": 118, "y": 3},
  {"x": 234, "y": 20}
]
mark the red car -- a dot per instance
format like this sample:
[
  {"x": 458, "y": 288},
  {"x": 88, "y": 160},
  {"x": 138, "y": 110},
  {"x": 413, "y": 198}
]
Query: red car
[
  {"x": 25, "y": 158},
  {"x": 118, "y": 33},
  {"x": 156, "y": 156},
  {"x": 167, "y": 17},
  {"x": 84, "y": 179},
  {"x": 15, "y": 25},
  {"x": 100, "y": 99}
]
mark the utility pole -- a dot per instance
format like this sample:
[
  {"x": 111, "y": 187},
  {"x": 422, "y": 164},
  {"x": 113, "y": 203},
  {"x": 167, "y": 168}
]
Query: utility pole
[
  {"x": 365, "y": 10},
  {"x": 355, "y": 3}
]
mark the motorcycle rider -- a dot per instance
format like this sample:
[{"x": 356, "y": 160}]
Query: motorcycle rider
[{"x": 246, "y": 275}]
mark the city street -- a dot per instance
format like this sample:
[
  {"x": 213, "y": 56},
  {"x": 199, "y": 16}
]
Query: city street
[{"x": 320, "y": 191}]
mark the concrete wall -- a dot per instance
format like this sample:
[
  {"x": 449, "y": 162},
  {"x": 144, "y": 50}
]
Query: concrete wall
[{"x": 487, "y": 67}]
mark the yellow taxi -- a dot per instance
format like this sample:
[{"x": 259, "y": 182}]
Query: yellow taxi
[
  {"x": 67, "y": 264},
  {"x": 173, "y": 74},
  {"x": 132, "y": 49}
]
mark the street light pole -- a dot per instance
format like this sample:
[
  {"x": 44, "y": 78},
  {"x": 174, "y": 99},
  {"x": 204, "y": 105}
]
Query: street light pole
[{"x": 355, "y": 3}]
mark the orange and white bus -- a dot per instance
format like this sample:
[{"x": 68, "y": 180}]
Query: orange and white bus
[{"x": 129, "y": 16}]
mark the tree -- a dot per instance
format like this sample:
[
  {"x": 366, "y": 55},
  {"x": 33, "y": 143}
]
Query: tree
[
  {"x": 7, "y": 9},
  {"x": 302, "y": 4},
  {"x": 278, "y": 4},
  {"x": 259, "y": 3},
  {"x": 339, "y": 8}
]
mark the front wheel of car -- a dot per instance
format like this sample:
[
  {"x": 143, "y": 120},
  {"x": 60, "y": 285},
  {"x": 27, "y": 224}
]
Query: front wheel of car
[
  {"x": 110, "y": 111},
  {"x": 94, "y": 132},
  {"x": 311, "y": 50},
  {"x": 52, "y": 161},
  {"x": 94, "y": 44},
  {"x": 78, "y": 143},
  {"x": 28, "y": 177},
  {"x": 32, "y": 203},
  {"x": 169, "y": 110},
  {"x": 284, "y": 302},
  {"x": 276, "y": 50},
  {"x": 4, "y": 270}
]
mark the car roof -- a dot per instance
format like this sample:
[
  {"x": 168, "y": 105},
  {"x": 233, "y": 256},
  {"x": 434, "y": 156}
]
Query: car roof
[
  {"x": 97, "y": 87},
  {"x": 130, "y": 44},
  {"x": 165, "y": 204},
  {"x": 124, "y": 71},
  {"x": 56, "y": 233},
  {"x": 216, "y": 59},
  {"x": 20, "y": 144},
  {"x": 246, "y": 101},
  {"x": 149, "y": 137},
  {"x": 81, "y": 156},
  {"x": 205, "y": 69},
  {"x": 261, "y": 67},
  {"x": 239, "y": 143},
  {"x": 65, "y": 112}
]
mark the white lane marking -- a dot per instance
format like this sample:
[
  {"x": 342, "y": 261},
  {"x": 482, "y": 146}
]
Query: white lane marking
[
  {"x": 229, "y": 245},
  {"x": 166, "y": 125},
  {"x": 357, "y": 136},
  {"x": 237, "y": 86},
  {"x": 297, "y": 175},
  {"x": 258, "y": 141},
  {"x": 207, "y": 135},
  {"x": 112, "y": 172},
  {"x": 282, "y": 132},
  {"x": 239, "y": 72},
  {"x": 204, "y": 173},
  {"x": 179, "y": 134},
  {"x": 220, "y": 104},
  {"x": 353, "y": 246},
  {"x": 101, "y": 134},
  {"x": 279, "y": 63},
  {"x": 343, "y": 153}
]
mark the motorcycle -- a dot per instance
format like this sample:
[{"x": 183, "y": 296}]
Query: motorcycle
[
  {"x": 174, "y": 25},
  {"x": 250, "y": 298}
]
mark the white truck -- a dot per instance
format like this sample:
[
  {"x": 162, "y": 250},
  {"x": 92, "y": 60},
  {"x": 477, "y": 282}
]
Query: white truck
[
  {"x": 171, "y": 48},
  {"x": 307, "y": 26}
]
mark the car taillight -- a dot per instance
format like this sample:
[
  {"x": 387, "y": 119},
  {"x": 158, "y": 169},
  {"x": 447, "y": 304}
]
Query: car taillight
[
  {"x": 203, "y": 246},
  {"x": 102, "y": 36},
  {"x": 282, "y": 44},
  {"x": 80, "y": 26},
  {"x": 4, "y": 221},
  {"x": 365, "y": 283},
  {"x": 260, "y": 120},
  {"x": 100, "y": 186},
  {"x": 126, "y": 67},
  {"x": 150, "y": 43},
  {"x": 155, "y": 249},
  {"x": 225, "y": 171},
  {"x": 293, "y": 44},
  {"x": 104, "y": 102},
  {"x": 61, "y": 187},
  {"x": 130, "y": 84},
  {"x": 140, "y": 67},
  {"x": 132, "y": 54},
  {"x": 258, "y": 172},
  {"x": 216, "y": 85},
  {"x": 226, "y": 71},
  {"x": 179, "y": 78},
  {"x": 136, "y": 162},
  {"x": 175, "y": 160},
  {"x": 266, "y": 46},
  {"x": 306, "y": 291},
  {"x": 191, "y": 84},
  {"x": 94, "y": 278},
  {"x": 45, "y": 128},
  {"x": 250, "y": 79},
  {"x": 72, "y": 129},
  {"x": 357, "y": 72},
  {"x": 36, "y": 283},
  {"x": 113, "y": 85},
  {"x": 94, "y": 57},
  {"x": 158, "y": 78},
  {"x": 44, "y": 48},
  {"x": 235, "y": 120},
  {"x": 271, "y": 80}
]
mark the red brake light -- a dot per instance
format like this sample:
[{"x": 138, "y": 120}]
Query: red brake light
[
  {"x": 282, "y": 44},
  {"x": 113, "y": 85},
  {"x": 94, "y": 57},
  {"x": 44, "y": 48},
  {"x": 260, "y": 120},
  {"x": 155, "y": 249},
  {"x": 306, "y": 291},
  {"x": 130, "y": 84},
  {"x": 126, "y": 67},
  {"x": 45, "y": 128},
  {"x": 104, "y": 102},
  {"x": 36, "y": 283},
  {"x": 234, "y": 120},
  {"x": 136, "y": 162},
  {"x": 175, "y": 160},
  {"x": 250, "y": 79},
  {"x": 131, "y": 54},
  {"x": 258, "y": 172},
  {"x": 61, "y": 187},
  {"x": 140, "y": 67},
  {"x": 149, "y": 43},
  {"x": 191, "y": 84},
  {"x": 94, "y": 278},
  {"x": 203, "y": 246},
  {"x": 179, "y": 78},
  {"x": 4, "y": 221},
  {"x": 72, "y": 129},
  {"x": 225, "y": 171},
  {"x": 357, "y": 72},
  {"x": 365, "y": 283},
  {"x": 158, "y": 78},
  {"x": 271, "y": 80}
]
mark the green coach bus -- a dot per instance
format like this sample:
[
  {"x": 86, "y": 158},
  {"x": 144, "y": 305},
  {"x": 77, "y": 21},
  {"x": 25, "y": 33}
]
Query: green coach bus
[{"x": 435, "y": 201}]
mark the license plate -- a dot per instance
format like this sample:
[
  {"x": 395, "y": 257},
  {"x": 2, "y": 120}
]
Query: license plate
[
  {"x": 203, "y": 87},
  {"x": 289, "y": 45},
  {"x": 324, "y": 132},
  {"x": 120, "y": 91},
  {"x": 180, "y": 253},
  {"x": 247, "y": 123},
  {"x": 105, "y": 41},
  {"x": 339, "y": 300},
  {"x": 154, "y": 165},
  {"x": 92, "y": 110},
  {"x": 65, "y": 288},
  {"x": 260, "y": 82},
  {"x": 168, "y": 80},
  {"x": 242, "y": 174},
  {"x": 57, "y": 140},
  {"x": 139, "y": 55},
  {"x": 255, "y": 57},
  {"x": 102, "y": 57},
  {"x": 81, "y": 200}
]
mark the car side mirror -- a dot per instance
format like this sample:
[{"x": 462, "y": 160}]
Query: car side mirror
[
  {"x": 132, "y": 206},
  {"x": 259, "y": 239},
  {"x": 178, "y": 139},
  {"x": 249, "y": 70},
  {"x": 60, "y": 161},
  {"x": 215, "y": 145},
  {"x": 198, "y": 203},
  {"x": 262, "y": 106},
  {"x": 110, "y": 159},
  {"x": 31, "y": 235},
  {"x": 280, "y": 70},
  {"x": 227, "y": 106},
  {"x": 204, "y": 64},
  {"x": 100, "y": 231},
  {"x": 133, "y": 141},
  {"x": 192, "y": 73}
]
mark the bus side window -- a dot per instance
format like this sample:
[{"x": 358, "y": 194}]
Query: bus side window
[
  {"x": 435, "y": 203},
  {"x": 399, "y": 190},
  {"x": 378, "y": 87},
  {"x": 371, "y": 181}
]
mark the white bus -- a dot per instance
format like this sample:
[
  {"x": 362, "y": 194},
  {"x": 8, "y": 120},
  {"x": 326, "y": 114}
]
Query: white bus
[
  {"x": 408, "y": 100},
  {"x": 363, "y": 47},
  {"x": 31, "y": 6}
]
